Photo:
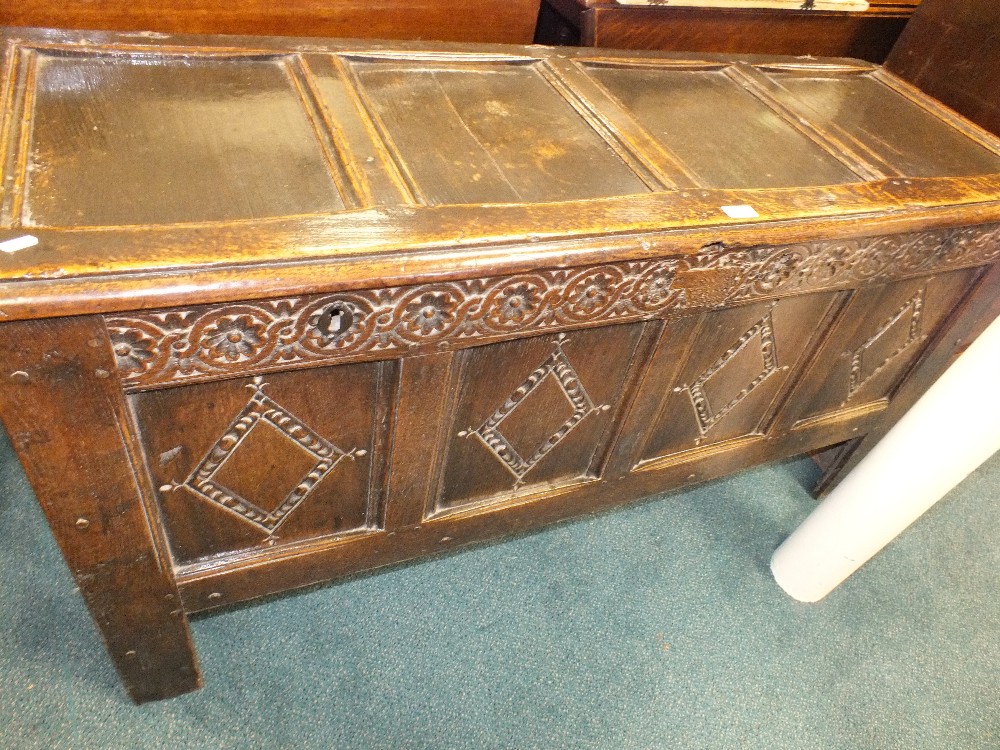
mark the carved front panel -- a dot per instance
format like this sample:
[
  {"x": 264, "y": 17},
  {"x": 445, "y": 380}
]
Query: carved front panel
[
  {"x": 716, "y": 378},
  {"x": 533, "y": 412},
  {"x": 258, "y": 462},
  {"x": 880, "y": 333}
]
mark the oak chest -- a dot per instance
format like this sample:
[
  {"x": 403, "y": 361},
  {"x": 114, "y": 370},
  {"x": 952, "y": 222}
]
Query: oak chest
[{"x": 275, "y": 311}]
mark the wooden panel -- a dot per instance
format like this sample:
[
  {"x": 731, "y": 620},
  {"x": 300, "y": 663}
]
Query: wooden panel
[
  {"x": 511, "y": 21},
  {"x": 532, "y": 412},
  {"x": 949, "y": 50},
  {"x": 882, "y": 331},
  {"x": 490, "y": 134},
  {"x": 117, "y": 140},
  {"x": 717, "y": 380},
  {"x": 603, "y": 23},
  {"x": 723, "y": 134},
  {"x": 972, "y": 315},
  {"x": 911, "y": 140},
  {"x": 783, "y": 32},
  {"x": 243, "y": 465},
  {"x": 235, "y": 582}
]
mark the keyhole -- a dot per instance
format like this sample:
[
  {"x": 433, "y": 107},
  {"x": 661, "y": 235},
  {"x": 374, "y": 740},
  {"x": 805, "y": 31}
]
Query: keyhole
[{"x": 336, "y": 320}]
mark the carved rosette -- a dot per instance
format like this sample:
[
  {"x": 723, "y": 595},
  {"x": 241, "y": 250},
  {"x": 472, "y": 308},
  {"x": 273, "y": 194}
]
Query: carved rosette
[{"x": 201, "y": 343}]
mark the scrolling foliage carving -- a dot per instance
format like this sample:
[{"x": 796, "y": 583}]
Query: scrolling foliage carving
[
  {"x": 765, "y": 271},
  {"x": 200, "y": 343}
]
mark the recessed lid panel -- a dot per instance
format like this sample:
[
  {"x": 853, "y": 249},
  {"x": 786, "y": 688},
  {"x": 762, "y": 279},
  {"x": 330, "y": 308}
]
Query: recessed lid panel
[
  {"x": 497, "y": 133},
  {"x": 724, "y": 135},
  {"x": 140, "y": 169},
  {"x": 157, "y": 139},
  {"x": 909, "y": 139}
]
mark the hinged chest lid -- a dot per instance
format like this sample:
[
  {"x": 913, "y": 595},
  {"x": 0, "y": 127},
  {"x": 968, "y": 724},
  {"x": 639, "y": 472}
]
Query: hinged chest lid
[{"x": 154, "y": 170}]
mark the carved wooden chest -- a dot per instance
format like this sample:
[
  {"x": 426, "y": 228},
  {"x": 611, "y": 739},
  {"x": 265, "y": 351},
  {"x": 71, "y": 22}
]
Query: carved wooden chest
[{"x": 276, "y": 311}]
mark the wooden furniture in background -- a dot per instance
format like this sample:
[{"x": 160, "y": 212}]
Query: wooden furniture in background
[
  {"x": 510, "y": 21},
  {"x": 275, "y": 312},
  {"x": 951, "y": 52},
  {"x": 867, "y": 35}
]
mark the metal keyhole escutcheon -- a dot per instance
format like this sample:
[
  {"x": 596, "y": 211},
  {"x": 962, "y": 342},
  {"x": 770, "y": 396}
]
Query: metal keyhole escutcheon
[{"x": 336, "y": 320}]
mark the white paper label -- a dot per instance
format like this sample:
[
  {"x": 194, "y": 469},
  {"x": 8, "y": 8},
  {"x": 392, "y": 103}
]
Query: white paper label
[
  {"x": 18, "y": 243},
  {"x": 740, "y": 212}
]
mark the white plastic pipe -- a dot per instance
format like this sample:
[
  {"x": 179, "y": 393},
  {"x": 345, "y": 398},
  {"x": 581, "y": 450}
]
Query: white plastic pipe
[{"x": 949, "y": 432}]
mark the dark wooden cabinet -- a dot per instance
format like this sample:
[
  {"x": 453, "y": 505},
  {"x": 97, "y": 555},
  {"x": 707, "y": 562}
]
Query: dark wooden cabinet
[
  {"x": 509, "y": 21},
  {"x": 949, "y": 51},
  {"x": 868, "y": 35},
  {"x": 274, "y": 312}
]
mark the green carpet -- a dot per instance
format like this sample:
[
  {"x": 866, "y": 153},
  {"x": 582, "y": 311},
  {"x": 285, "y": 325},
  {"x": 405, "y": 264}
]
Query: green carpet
[{"x": 655, "y": 626}]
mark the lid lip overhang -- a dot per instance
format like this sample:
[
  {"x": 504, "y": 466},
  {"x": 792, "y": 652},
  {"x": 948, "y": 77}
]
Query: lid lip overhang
[
  {"x": 339, "y": 237},
  {"x": 319, "y": 254}
]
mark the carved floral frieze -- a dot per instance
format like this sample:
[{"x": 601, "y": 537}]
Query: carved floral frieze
[
  {"x": 764, "y": 271},
  {"x": 198, "y": 343},
  {"x": 179, "y": 345}
]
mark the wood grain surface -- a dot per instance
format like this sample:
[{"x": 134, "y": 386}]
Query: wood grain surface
[{"x": 950, "y": 52}]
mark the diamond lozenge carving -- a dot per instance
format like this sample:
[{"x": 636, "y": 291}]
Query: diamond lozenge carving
[
  {"x": 558, "y": 367},
  {"x": 262, "y": 412}
]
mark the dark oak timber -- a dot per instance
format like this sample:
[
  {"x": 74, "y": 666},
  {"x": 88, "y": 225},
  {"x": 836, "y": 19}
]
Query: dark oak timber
[
  {"x": 62, "y": 405},
  {"x": 276, "y": 311}
]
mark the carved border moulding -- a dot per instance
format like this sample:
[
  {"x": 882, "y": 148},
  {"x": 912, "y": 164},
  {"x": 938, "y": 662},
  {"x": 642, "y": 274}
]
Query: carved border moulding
[
  {"x": 765, "y": 271},
  {"x": 201, "y": 343},
  {"x": 703, "y": 412},
  {"x": 181, "y": 345},
  {"x": 262, "y": 409},
  {"x": 914, "y": 308},
  {"x": 561, "y": 369}
]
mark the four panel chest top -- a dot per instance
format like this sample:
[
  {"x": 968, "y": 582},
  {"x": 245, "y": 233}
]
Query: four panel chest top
[{"x": 276, "y": 311}]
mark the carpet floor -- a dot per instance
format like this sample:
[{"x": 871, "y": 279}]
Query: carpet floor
[{"x": 654, "y": 626}]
